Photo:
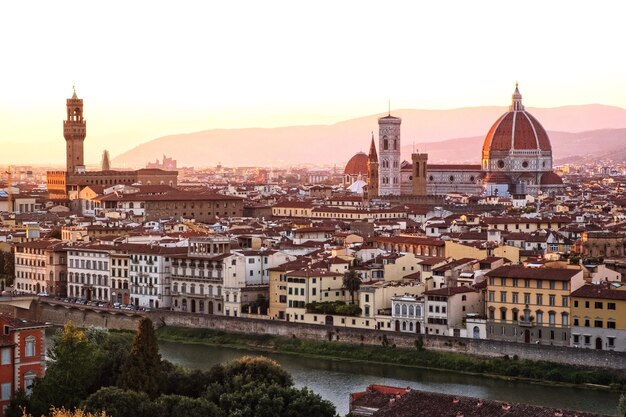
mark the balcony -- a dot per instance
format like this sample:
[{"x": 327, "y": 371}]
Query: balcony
[{"x": 526, "y": 322}]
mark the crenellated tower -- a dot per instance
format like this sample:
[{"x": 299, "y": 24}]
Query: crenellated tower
[{"x": 74, "y": 131}]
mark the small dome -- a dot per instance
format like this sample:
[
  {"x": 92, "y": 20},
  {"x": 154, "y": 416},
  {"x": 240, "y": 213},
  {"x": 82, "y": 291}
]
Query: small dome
[
  {"x": 550, "y": 178},
  {"x": 357, "y": 165}
]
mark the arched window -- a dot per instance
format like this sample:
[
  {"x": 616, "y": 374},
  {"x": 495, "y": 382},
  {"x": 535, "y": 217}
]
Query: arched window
[
  {"x": 404, "y": 310},
  {"x": 385, "y": 143},
  {"x": 176, "y": 287},
  {"x": 397, "y": 309},
  {"x": 183, "y": 288},
  {"x": 411, "y": 311},
  {"x": 418, "y": 311}
]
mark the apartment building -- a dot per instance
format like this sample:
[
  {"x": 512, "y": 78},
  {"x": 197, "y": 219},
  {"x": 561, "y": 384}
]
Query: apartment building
[
  {"x": 531, "y": 305},
  {"x": 599, "y": 316}
]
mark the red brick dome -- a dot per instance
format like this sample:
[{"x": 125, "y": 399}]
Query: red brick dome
[
  {"x": 550, "y": 178},
  {"x": 357, "y": 164},
  {"x": 516, "y": 130}
]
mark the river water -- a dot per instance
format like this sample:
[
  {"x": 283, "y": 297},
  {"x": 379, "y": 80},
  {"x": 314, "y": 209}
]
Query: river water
[{"x": 335, "y": 380}]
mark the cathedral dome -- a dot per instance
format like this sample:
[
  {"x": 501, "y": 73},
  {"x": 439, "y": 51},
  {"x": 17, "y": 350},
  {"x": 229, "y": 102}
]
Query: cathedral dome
[
  {"x": 357, "y": 165},
  {"x": 516, "y": 130}
]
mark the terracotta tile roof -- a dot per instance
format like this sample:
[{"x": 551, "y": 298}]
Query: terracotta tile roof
[
  {"x": 449, "y": 291},
  {"x": 429, "y": 404},
  {"x": 603, "y": 291},
  {"x": 512, "y": 271}
]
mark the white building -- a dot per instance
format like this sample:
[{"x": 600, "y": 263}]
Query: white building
[
  {"x": 407, "y": 312},
  {"x": 389, "y": 182}
]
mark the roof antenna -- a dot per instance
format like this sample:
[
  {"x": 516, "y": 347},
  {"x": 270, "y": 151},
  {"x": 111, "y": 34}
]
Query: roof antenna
[{"x": 389, "y": 107}]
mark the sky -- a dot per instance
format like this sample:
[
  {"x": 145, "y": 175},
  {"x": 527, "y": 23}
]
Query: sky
[{"x": 151, "y": 68}]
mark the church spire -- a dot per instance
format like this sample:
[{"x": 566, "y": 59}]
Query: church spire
[
  {"x": 74, "y": 96},
  {"x": 373, "y": 156},
  {"x": 516, "y": 104}
]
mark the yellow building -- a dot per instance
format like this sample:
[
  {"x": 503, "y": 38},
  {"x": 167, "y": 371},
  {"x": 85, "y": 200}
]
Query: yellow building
[
  {"x": 599, "y": 316},
  {"x": 278, "y": 287},
  {"x": 312, "y": 285},
  {"x": 530, "y": 304}
]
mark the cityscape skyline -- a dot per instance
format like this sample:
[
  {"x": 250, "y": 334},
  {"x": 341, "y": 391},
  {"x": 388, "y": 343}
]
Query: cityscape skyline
[{"x": 177, "y": 71}]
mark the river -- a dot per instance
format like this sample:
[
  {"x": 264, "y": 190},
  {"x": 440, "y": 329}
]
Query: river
[{"x": 335, "y": 380}]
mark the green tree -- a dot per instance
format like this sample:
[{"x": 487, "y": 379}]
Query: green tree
[
  {"x": 181, "y": 406},
  {"x": 143, "y": 369},
  {"x": 257, "y": 370},
  {"x": 73, "y": 372},
  {"x": 352, "y": 282},
  {"x": 621, "y": 406},
  {"x": 275, "y": 401},
  {"x": 118, "y": 402}
]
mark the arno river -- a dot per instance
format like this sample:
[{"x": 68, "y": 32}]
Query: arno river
[{"x": 334, "y": 380}]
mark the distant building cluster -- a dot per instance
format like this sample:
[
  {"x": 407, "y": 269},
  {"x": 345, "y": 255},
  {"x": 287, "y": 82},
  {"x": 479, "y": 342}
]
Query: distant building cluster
[{"x": 516, "y": 159}]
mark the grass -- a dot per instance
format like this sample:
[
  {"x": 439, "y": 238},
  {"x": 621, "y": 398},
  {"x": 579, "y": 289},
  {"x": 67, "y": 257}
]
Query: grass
[{"x": 418, "y": 357}]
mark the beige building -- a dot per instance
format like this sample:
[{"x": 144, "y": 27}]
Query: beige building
[
  {"x": 531, "y": 304},
  {"x": 41, "y": 267}
]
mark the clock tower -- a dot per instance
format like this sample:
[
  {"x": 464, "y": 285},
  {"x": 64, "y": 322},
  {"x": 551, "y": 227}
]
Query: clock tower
[
  {"x": 389, "y": 155},
  {"x": 74, "y": 131}
]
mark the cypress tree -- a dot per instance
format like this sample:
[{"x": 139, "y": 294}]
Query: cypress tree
[{"x": 143, "y": 369}]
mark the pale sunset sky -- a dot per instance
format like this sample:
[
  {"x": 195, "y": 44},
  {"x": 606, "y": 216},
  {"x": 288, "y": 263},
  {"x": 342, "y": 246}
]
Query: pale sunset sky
[{"x": 151, "y": 68}]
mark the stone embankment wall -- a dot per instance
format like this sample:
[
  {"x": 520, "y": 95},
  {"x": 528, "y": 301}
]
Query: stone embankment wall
[{"x": 115, "y": 319}]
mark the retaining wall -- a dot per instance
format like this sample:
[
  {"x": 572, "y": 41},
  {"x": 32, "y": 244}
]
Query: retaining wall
[{"x": 114, "y": 319}]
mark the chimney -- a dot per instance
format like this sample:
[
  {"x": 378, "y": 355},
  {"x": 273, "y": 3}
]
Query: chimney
[{"x": 506, "y": 406}]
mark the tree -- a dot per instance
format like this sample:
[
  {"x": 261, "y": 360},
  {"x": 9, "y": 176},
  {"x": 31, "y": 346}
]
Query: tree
[
  {"x": 62, "y": 412},
  {"x": 143, "y": 369},
  {"x": 352, "y": 282},
  {"x": 621, "y": 406},
  {"x": 234, "y": 375},
  {"x": 118, "y": 402},
  {"x": 180, "y": 406},
  {"x": 73, "y": 373},
  {"x": 275, "y": 401}
]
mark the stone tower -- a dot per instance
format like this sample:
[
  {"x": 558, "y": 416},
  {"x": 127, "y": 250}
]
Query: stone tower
[
  {"x": 389, "y": 155},
  {"x": 105, "y": 165},
  {"x": 74, "y": 131},
  {"x": 372, "y": 171},
  {"x": 420, "y": 162}
]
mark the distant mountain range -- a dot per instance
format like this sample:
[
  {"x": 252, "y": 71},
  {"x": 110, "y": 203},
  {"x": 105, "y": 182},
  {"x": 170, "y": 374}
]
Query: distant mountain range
[{"x": 449, "y": 136}]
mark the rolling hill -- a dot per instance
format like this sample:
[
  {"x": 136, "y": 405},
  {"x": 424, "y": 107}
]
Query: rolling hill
[{"x": 575, "y": 131}]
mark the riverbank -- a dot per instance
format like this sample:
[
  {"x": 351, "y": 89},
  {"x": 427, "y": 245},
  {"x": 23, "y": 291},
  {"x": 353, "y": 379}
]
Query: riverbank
[{"x": 507, "y": 367}]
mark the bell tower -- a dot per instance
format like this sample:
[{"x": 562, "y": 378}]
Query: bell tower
[{"x": 74, "y": 131}]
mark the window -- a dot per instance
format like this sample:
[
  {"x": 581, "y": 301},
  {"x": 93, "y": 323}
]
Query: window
[
  {"x": 564, "y": 301},
  {"x": 551, "y": 318},
  {"x": 587, "y": 323},
  {"x": 29, "y": 380},
  {"x": 539, "y": 317},
  {"x": 503, "y": 282},
  {"x": 539, "y": 284},
  {"x": 576, "y": 339},
  {"x": 565, "y": 286},
  {"x": 539, "y": 299},
  {"x": 610, "y": 306},
  {"x": 552, "y": 300},
  {"x": 527, "y": 283},
  {"x": 597, "y": 323},
  {"x": 526, "y": 298},
  {"x": 551, "y": 284},
  {"x": 587, "y": 339},
  {"x": 576, "y": 303},
  {"x": 611, "y": 341},
  {"x": 503, "y": 296},
  {"x": 6, "y": 391},
  {"x": 492, "y": 296},
  {"x": 564, "y": 319},
  {"x": 610, "y": 325},
  {"x": 598, "y": 305},
  {"x": 575, "y": 321},
  {"x": 6, "y": 356},
  {"x": 30, "y": 346},
  {"x": 515, "y": 298}
]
